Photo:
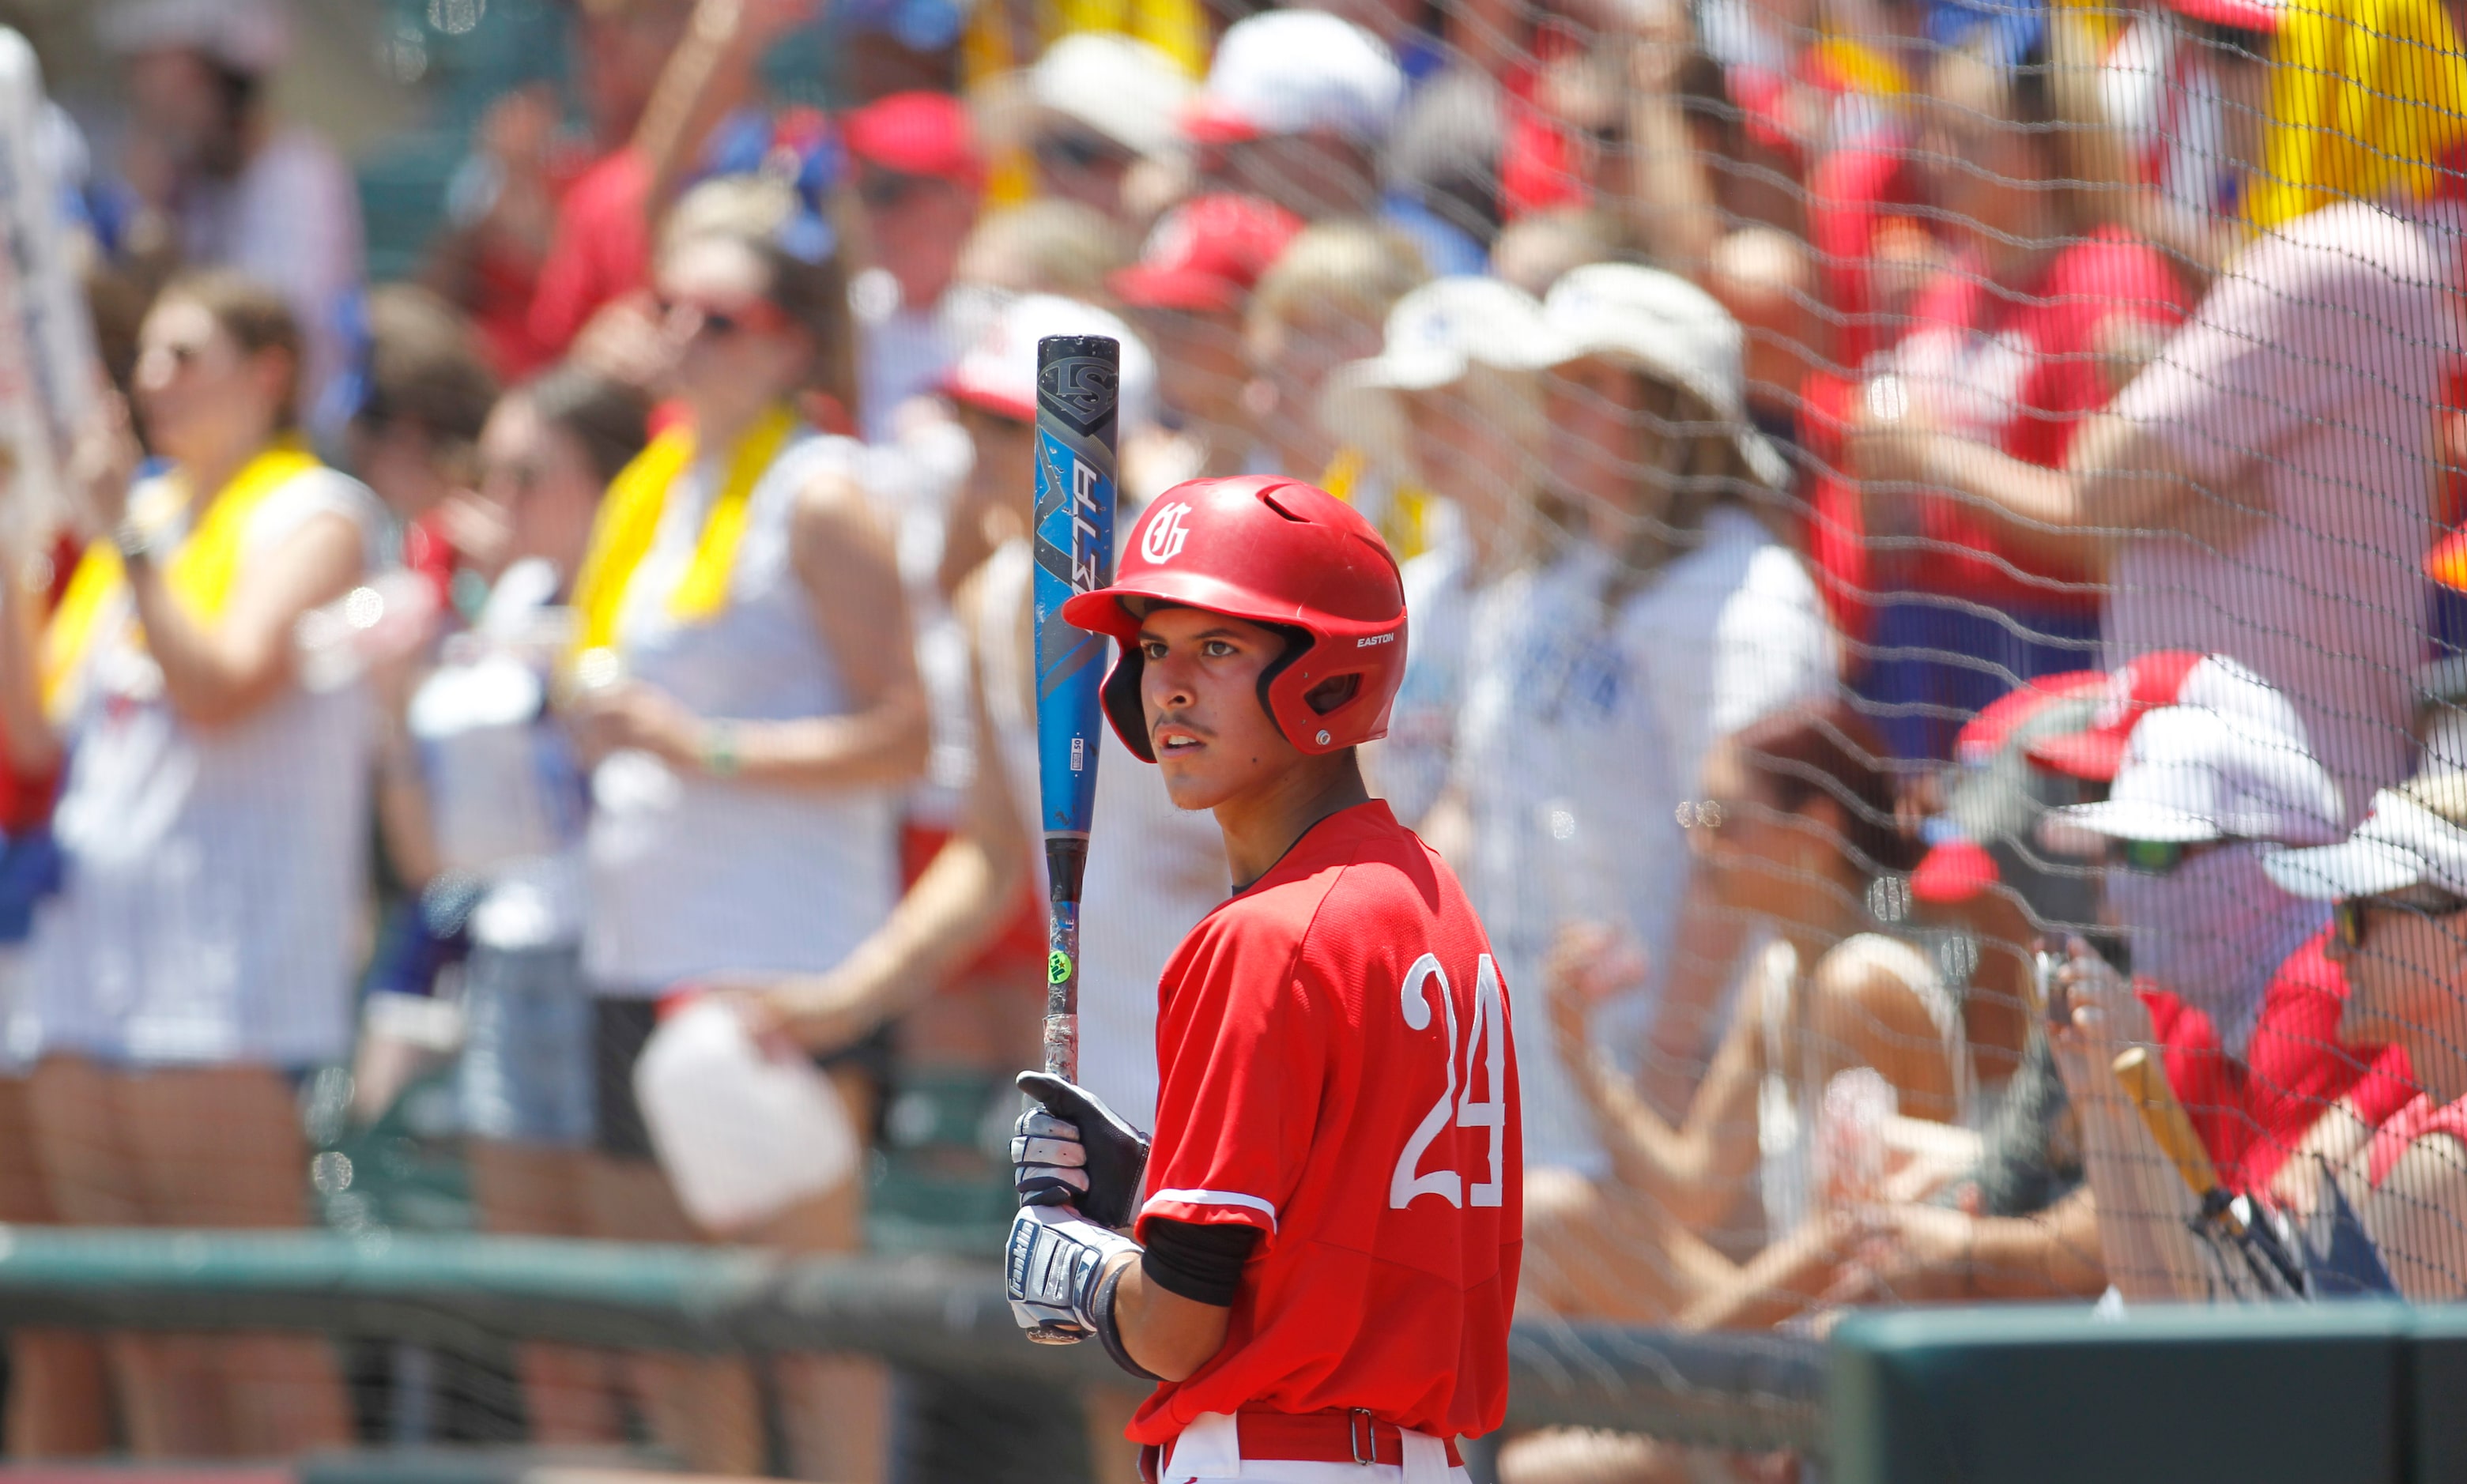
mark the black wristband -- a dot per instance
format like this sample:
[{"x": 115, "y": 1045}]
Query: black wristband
[{"x": 1101, "y": 1308}]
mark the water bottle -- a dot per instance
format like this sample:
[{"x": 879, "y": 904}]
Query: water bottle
[{"x": 742, "y": 1133}]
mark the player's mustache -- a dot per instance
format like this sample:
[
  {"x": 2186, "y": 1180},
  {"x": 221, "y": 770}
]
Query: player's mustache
[{"x": 1179, "y": 719}]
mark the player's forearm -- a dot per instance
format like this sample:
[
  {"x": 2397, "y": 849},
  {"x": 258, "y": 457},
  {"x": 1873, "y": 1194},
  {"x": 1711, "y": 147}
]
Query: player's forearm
[{"x": 1164, "y": 1332}]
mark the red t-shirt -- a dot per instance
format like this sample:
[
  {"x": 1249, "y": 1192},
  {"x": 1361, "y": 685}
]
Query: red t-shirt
[
  {"x": 1853, "y": 194},
  {"x": 2253, "y": 1113},
  {"x": 600, "y": 251},
  {"x": 2419, "y": 1119},
  {"x": 2022, "y": 372},
  {"x": 1337, "y": 1071}
]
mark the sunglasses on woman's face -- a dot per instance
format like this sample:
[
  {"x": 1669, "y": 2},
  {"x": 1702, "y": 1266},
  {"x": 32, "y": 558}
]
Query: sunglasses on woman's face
[
  {"x": 2351, "y": 915},
  {"x": 1072, "y": 152},
  {"x": 721, "y": 322},
  {"x": 2154, "y": 857},
  {"x": 887, "y": 191}
]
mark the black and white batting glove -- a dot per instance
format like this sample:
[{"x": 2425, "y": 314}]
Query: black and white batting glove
[
  {"x": 1060, "y": 1271},
  {"x": 1076, "y": 1151}
]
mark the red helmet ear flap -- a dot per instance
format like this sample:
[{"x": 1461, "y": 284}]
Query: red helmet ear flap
[{"x": 1120, "y": 694}]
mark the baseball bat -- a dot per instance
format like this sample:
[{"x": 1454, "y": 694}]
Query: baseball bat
[
  {"x": 1076, "y": 398},
  {"x": 2145, "y": 1082}
]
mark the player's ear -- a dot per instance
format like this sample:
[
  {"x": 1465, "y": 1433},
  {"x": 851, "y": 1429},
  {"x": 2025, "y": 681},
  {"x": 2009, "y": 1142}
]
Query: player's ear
[{"x": 1330, "y": 693}]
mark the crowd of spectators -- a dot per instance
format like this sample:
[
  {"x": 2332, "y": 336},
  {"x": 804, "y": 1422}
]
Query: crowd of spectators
[{"x": 1925, "y": 523}]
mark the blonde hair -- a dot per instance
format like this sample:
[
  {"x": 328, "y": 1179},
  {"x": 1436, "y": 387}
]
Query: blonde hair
[
  {"x": 1044, "y": 247},
  {"x": 2443, "y": 793},
  {"x": 759, "y": 213},
  {"x": 1355, "y": 267}
]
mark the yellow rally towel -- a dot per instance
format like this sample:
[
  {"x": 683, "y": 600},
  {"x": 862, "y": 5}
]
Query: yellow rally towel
[
  {"x": 629, "y": 518},
  {"x": 200, "y": 574},
  {"x": 2367, "y": 97},
  {"x": 1405, "y": 525}
]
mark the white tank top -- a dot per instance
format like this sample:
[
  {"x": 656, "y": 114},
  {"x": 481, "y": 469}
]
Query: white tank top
[
  {"x": 213, "y": 874},
  {"x": 692, "y": 875},
  {"x": 1153, "y": 871}
]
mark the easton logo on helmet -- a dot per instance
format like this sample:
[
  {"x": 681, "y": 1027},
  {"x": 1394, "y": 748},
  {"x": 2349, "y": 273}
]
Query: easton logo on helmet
[{"x": 1166, "y": 530}]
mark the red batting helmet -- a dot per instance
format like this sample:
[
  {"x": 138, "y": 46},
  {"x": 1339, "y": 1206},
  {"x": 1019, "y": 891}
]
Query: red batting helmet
[{"x": 1275, "y": 551}]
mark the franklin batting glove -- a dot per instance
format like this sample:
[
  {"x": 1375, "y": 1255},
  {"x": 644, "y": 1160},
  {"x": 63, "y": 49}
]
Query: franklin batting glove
[{"x": 1077, "y": 1152}]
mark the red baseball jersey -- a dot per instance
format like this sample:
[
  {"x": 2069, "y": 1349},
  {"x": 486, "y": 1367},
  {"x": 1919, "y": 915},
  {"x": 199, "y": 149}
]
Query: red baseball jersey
[
  {"x": 1337, "y": 1071},
  {"x": 2253, "y": 1113}
]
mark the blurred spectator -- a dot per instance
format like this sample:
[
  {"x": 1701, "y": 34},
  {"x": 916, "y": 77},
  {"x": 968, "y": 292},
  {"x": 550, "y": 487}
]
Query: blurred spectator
[
  {"x": 1042, "y": 247},
  {"x": 501, "y": 215},
  {"x": 2271, "y": 463},
  {"x": 1189, "y": 292},
  {"x": 2398, "y": 886},
  {"x": 1437, "y": 403},
  {"x": 1703, "y": 619},
  {"x": 423, "y": 393},
  {"x": 1796, "y": 824},
  {"x": 1166, "y": 866},
  {"x": 1296, "y": 108},
  {"x": 222, "y": 184},
  {"x": 745, "y": 696},
  {"x": 478, "y": 784},
  {"x": 1541, "y": 248},
  {"x": 2300, "y": 1005},
  {"x": 1108, "y": 107},
  {"x": 199, "y": 956},
  {"x": 2231, "y": 980},
  {"x": 1322, "y": 305},
  {"x": 599, "y": 246},
  {"x": 2006, "y": 350},
  {"x": 919, "y": 177}
]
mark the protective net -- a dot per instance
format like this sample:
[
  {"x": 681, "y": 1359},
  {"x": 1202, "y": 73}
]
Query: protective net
[{"x": 1935, "y": 652}]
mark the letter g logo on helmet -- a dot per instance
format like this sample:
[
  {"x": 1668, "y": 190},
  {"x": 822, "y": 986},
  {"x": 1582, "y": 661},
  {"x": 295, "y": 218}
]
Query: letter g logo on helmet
[{"x": 1161, "y": 541}]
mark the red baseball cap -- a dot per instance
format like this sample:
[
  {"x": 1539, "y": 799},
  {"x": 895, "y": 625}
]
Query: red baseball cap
[
  {"x": 2261, "y": 15},
  {"x": 1985, "y": 734},
  {"x": 2144, "y": 685},
  {"x": 1207, "y": 254},
  {"x": 1955, "y": 869},
  {"x": 920, "y": 133}
]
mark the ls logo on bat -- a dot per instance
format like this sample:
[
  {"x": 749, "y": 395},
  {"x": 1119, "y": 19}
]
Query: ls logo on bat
[{"x": 1081, "y": 389}]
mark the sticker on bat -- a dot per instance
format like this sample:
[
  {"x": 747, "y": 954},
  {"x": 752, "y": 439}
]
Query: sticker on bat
[{"x": 1057, "y": 967}]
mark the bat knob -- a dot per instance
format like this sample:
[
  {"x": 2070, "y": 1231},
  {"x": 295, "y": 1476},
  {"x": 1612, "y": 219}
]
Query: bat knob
[{"x": 1054, "y": 1334}]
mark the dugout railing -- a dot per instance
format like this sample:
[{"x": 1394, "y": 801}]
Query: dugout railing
[{"x": 2360, "y": 1392}]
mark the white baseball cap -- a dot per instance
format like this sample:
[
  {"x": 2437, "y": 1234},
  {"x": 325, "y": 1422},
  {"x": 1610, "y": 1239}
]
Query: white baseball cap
[
  {"x": 1124, "y": 89},
  {"x": 998, "y": 372},
  {"x": 1667, "y": 329},
  {"x": 2401, "y": 843},
  {"x": 1436, "y": 331},
  {"x": 2192, "y": 775},
  {"x": 1291, "y": 71},
  {"x": 250, "y": 37}
]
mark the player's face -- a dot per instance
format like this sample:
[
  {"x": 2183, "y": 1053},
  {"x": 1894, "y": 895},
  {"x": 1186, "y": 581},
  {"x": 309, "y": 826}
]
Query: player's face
[{"x": 1201, "y": 692}]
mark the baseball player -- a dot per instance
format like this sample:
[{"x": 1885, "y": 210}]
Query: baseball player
[{"x": 1316, "y": 1258}]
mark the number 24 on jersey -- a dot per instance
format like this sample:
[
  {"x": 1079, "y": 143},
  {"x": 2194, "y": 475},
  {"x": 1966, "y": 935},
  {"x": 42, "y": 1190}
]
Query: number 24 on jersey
[{"x": 1484, "y": 1060}]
